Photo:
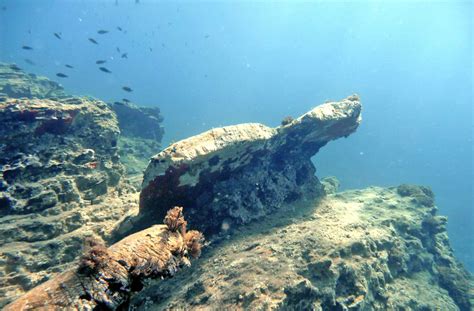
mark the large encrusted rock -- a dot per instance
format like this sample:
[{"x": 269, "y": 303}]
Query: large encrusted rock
[
  {"x": 56, "y": 151},
  {"x": 371, "y": 249},
  {"x": 16, "y": 83},
  {"x": 60, "y": 181},
  {"x": 236, "y": 174}
]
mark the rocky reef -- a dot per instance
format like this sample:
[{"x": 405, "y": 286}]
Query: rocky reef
[
  {"x": 370, "y": 249},
  {"x": 61, "y": 179},
  {"x": 279, "y": 238},
  {"x": 232, "y": 175}
]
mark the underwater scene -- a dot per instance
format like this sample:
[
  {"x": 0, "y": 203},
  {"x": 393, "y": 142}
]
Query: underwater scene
[{"x": 236, "y": 155}]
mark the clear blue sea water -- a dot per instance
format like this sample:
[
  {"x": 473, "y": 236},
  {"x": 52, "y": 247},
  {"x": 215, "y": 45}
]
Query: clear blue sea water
[{"x": 208, "y": 64}]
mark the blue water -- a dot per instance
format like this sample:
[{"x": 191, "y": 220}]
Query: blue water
[{"x": 221, "y": 63}]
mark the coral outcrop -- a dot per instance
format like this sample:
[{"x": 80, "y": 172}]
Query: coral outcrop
[
  {"x": 106, "y": 277},
  {"x": 235, "y": 174},
  {"x": 371, "y": 249},
  {"x": 16, "y": 83},
  {"x": 60, "y": 181}
]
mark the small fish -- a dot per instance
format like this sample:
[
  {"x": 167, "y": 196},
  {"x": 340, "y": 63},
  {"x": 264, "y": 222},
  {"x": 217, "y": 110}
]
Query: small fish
[
  {"x": 118, "y": 103},
  {"x": 68, "y": 66},
  {"x": 61, "y": 75},
  {"x": 125, "y": 100},
  {"x": 118, "y": 49},
  {"x": 104, "y": 70},
  {"x": 102, "y": 32},
  {"x": 93, "y": 41},
  {"x": 29, "y": 61},
  {"x": 151, "y": 50},
  {"x": 26, "y": 47},
  {"x": 119, "y": 28},
  {"x": 125, "y": 55},
  {"x": 100, "y": 62},
  {"x": 206, "y": 36},
  {"x": 57, "y": 35},
  {"x": 127, "y": 89},
  {"x": 15, "y": 67}
]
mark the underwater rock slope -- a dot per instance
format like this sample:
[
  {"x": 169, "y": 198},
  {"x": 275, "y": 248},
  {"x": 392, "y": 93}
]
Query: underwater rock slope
[
  {"x": 16, "y": 83},
  {"x": 236, "y": 174},
  {"x": 371, "y": 249}
]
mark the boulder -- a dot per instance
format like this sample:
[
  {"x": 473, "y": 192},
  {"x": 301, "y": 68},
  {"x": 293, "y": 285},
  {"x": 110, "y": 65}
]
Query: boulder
[{"x": 235, "y": 174}]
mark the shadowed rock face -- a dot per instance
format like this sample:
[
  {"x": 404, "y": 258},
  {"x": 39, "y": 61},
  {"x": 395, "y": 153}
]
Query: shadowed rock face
[{"x": 235, "y": 174}]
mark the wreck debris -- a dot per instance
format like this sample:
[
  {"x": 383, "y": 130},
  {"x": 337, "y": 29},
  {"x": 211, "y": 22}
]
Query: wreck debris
[{"x": 107, "y": 277}]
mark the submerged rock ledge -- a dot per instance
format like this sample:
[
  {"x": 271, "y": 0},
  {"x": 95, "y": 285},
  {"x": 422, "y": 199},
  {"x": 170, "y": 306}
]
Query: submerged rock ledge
[
  {"x": 370, "y": 249},
  {"x": 235, "y": 174}
]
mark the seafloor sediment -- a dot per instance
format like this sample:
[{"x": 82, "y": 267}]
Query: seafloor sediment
[{"x": 279, "y": 238}]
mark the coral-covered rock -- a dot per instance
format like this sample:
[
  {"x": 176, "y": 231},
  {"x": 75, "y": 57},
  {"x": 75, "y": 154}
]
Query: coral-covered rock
[
  {"x": 15, "y": 83},
  {"x": 371, "y": 249},
  {"x": 56, "y": 151},
  {"x": 60, "y": 177},
  {"x": 236, "y": 174}
]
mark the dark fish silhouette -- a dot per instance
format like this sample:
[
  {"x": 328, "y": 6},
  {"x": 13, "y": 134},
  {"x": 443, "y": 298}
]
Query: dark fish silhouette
[
  {"x": 26, "y": 47},
  {"x": 102, "y": 32},
  {"x": 125, "y": 55},
  {"x": 127, "y": 89},
  {"x": 15, "y": 67},
  {"x": 104, "y": 70},
  {"x": 100, "y": 62},
  {"x": 125, "y": 100},
  {"x": 118, "y": 49},
  {"x": 206, "y": 36},
  {"x": 61, "y": 75},
  {"x": 151, "y": 50},
  {"x": 118, "y": 103},
  {"x": 68, "y": 66},
  {"x": 29, "y": 61},
  {"x": 57, "y": 35},
  {"x": 93, "y": 41},
  {"x": 119, "y": 28}
]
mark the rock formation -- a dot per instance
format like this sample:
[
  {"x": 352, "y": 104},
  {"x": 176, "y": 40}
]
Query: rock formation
[
  {"x": 16, "y": 83},
  {"x": 140, "y": 135},
  {"x": 106, "y": 277},
  {"x": 63, "y": 180},
  {"x": 371, "y": 249},
  {"x": 232, "y": 175},
  {"x": 60, "y": 182}
]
